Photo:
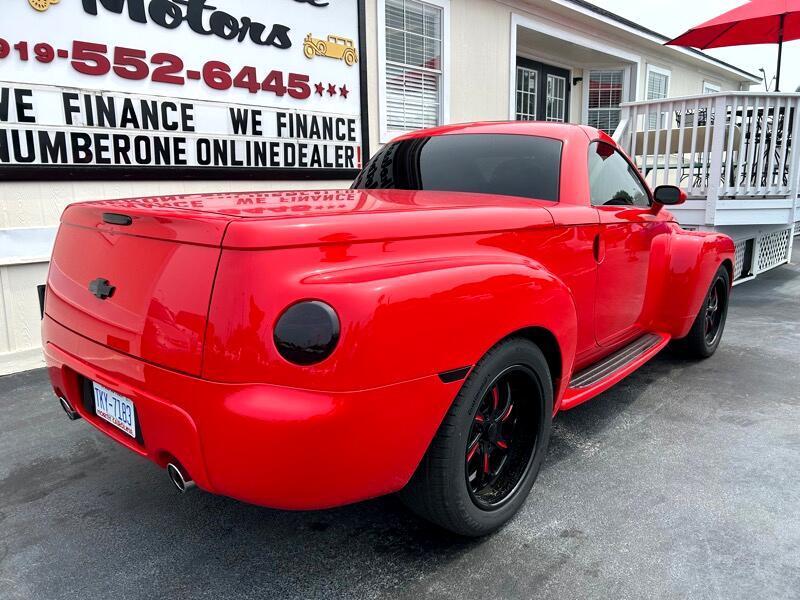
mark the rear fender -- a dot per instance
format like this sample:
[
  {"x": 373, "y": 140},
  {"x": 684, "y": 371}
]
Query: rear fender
[
  {"x": 471, "y": 304},
  {"x": 400, "y": 321},
  {"x": 409, "y": 311},
  {"x": 500, "y": 299}
]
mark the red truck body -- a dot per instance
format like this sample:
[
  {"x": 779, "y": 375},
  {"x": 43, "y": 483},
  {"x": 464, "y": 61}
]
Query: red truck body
[{"x": 423, "y": 283}]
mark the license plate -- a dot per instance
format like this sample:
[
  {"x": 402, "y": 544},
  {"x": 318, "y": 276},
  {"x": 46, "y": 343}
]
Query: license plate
[{"x": 114, "y": 408}]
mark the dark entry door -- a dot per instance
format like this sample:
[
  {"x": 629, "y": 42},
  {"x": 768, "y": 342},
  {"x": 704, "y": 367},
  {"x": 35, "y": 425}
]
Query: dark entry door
[{"x": 542, "y": 92}]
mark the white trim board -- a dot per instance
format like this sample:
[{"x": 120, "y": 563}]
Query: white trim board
[
  {"x": 25, "y": 245},
  {"x": 22, "y": 360},
  {"x": 549, "y": 60},
  {"x": 572, "y": 35},
  {"x": 567, "y": 34},
  {"x": 660, "y": 70}
]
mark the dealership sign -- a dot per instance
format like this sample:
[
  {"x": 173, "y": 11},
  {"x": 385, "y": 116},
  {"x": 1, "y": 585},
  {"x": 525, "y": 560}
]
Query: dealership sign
[{"x": 171, "y": 86}]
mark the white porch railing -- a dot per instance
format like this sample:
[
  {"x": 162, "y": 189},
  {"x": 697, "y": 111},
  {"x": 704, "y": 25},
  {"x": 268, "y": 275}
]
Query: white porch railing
[
  {"x": 737, "y": 156},
  {"x": 726, "y": 146}
]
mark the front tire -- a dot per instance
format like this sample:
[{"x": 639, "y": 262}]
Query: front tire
[
  {"x": 487, "y": 453},
  {"x": 706, "y": 332}
]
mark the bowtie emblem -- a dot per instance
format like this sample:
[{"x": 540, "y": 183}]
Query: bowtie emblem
[{"x": 102, "y": 288}]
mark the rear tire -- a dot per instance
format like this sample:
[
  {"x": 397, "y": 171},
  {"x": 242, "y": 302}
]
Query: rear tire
[
  {"x": 706, "y": 332},
  {"x": 487, "y": 453}
]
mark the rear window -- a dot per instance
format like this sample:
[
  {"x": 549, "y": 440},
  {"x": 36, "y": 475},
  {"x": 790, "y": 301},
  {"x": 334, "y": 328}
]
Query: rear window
[{"x": 509, "y": 165}]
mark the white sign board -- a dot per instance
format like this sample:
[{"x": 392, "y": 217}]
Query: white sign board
[{"x": 147, "y": 85}]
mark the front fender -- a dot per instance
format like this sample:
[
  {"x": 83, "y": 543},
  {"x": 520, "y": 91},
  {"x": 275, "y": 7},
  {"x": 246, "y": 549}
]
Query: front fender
[{"x": 690, "y": 265}]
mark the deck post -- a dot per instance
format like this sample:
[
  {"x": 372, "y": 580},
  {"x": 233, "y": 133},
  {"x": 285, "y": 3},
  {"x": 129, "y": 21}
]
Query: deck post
[
  {"x": 794, "y": 175},
  {"x": 715, "y": 159},
  {"x": 622, "y": 126}
]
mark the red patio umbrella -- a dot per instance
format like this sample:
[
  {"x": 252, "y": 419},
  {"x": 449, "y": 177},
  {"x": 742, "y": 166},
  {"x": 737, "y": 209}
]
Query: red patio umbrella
[{"x": 757, "y": 22}]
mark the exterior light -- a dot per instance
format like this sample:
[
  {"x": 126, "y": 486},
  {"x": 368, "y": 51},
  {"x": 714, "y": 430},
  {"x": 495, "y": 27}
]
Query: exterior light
[{"x": 307, "y": 332}]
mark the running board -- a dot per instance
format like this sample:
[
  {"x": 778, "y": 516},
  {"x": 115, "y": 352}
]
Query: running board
[{"x": 603, "y": 374}]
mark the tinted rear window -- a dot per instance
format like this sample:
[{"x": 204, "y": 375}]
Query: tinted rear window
[{"x": 509, "y": 165}]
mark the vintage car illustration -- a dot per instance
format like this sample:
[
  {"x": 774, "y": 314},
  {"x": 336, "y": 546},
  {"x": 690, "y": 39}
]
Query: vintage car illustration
[
  {"x": 42, "y": 5},
  {"x": 417, "y": 336},
  {"x": 335, "y": 46}
]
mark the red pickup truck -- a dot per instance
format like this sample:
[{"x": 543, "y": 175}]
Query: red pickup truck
[{"x": 416, "y": 333}]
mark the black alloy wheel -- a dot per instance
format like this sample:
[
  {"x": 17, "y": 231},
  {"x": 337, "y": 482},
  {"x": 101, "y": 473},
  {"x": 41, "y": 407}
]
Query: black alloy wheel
[
  {"x": 502, "y": 437},
  {"x": 486, "y": 455},
  {"x": 715, "y": 306},
  {"x": 706, "y": 333}
]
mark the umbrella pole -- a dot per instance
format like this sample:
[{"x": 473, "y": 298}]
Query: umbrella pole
[{"x": 780, "y": 53}]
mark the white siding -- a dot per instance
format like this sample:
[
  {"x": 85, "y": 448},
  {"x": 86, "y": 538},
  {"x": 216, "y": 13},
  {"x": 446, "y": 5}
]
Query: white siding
[{"x": 19, "y": 316}]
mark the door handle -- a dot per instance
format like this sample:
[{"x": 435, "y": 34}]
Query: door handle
[{"x": 597, "y": 249}]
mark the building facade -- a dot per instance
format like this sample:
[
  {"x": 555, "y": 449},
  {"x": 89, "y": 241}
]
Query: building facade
[{"x": 419, "y": 64}]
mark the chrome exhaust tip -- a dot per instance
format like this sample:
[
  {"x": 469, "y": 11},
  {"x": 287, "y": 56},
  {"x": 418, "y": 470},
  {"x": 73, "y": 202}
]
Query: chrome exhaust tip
[
  {"x": 179, "y": 479},
  {"x": 72, "y": 414}
]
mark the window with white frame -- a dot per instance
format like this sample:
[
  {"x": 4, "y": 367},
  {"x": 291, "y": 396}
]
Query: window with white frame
[
  {"x": 711, "y": 88},
  {"x": 657, "y": 89},
  {"x": 606, "y": 89},
  {"x": 413, "y": 69},
  {"x": 556, "y": 98},
  {"x": 527, "y": 82}
]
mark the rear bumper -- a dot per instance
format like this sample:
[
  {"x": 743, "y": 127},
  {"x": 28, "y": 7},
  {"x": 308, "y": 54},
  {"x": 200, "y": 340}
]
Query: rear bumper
[{"x": 263, "y": 444}]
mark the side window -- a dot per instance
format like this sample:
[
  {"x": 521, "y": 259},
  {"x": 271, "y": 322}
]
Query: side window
[{"x": 612, "y": 181}]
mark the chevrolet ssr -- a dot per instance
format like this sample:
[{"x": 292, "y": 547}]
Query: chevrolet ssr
[{"x": 416, "y": 333}]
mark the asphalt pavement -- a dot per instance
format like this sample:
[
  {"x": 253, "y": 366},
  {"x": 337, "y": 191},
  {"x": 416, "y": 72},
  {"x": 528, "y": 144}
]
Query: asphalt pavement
[{"x": 683, "y": 481}]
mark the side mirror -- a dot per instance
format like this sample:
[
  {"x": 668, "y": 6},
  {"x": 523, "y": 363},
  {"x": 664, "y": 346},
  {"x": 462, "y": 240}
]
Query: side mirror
[{"x": 669, "y": 195}]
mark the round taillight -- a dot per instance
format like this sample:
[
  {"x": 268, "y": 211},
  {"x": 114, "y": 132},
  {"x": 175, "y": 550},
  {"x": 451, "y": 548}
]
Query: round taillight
[{"x": 307, "y": 332}]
